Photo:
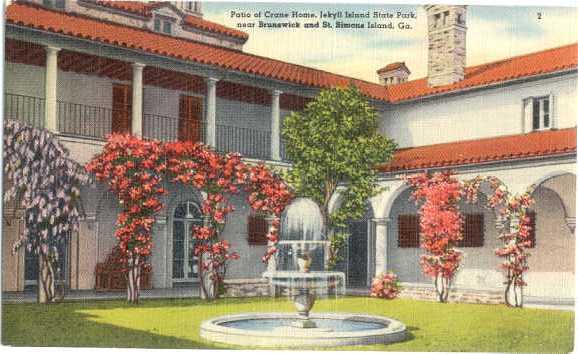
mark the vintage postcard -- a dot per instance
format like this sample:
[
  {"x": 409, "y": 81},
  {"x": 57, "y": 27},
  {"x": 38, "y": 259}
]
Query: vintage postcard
[{"x": 277, "y": 175}]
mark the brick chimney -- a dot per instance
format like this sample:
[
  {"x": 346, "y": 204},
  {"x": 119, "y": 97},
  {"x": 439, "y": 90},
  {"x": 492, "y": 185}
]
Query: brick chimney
[
  {"x": 446, "y": 44},
  {"x": 393, "y": 73}
]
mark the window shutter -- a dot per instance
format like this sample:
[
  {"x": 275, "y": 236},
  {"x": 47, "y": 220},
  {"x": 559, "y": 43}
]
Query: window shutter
[
  {"x": 527, "y": 115},
  {"x": 473, "y": 231},
  {"x": 408, "y": 231},
  {"x": 553, "y": 118},
  {"x": 532, "y": 237},
  {"x": 257, "y": 230}
]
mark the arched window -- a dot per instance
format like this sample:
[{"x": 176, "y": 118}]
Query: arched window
[{"x": 185, "y": 265}]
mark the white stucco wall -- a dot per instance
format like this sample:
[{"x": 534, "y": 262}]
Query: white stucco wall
[
  {"x": 485, "y": 113},
  {"x": 479, "y": 267},
  {"x": 551, "y": 273}
]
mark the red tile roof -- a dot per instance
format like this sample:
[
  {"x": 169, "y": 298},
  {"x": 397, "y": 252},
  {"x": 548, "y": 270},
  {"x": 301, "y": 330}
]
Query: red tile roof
[
  {"x": 535, "y": 144},
  {"x": 145, "y": 9},
  {"x": 393, "y": 66},
  {"x": 204, "y": 25},
  {"x": 136, "y": 7},
  {"x": 29, "y": 15},
  {"x": 546, "y": 61}
]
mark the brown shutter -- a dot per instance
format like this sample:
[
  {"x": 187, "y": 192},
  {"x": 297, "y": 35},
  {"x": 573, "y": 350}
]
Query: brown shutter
[
  {"x": 473, "y": 231},
  {"x": 531, "y": 214},
  {"x": 257, "y": 230},
  {"x": 121, "y": 108},
  {"x": 408, "y": 231},
  {"x": 190, "y": 113}
]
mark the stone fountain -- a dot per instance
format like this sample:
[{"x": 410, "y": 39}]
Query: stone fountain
[{"x": 299, "y": 271}]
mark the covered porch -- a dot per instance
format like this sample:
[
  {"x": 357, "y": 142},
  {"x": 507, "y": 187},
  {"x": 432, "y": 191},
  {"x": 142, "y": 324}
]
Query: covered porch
[{"x": 85, "y": 96}]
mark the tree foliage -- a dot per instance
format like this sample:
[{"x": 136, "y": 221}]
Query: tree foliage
[
  {"x": 334, "y": 145},
  {"x": 44, "y": 181}
]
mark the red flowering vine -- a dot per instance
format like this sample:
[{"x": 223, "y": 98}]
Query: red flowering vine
[
  {"x": 440, "y": 226},
  {"x": 134, "y": 169},
  {"x": 514, "y": 231}
]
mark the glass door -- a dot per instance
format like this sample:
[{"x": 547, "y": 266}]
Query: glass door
[{"x": 185, "y": 263}]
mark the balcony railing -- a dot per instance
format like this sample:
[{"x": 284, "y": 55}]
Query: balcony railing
[
  {"x": 249, "y": 142},
  {"x": 27, "y": 109},
  {"x": 94, "y": 122},
  {"x": 84, "y": 120},
  {"x": 166, "y": 128}
]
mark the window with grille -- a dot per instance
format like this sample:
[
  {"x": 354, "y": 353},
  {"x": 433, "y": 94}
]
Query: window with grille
[
  {"x": 472, "y": 231},
  {"x": 408, "y": 231},
  {"x": 532, "y": 237},
  {"x": 257, "y": 229}
]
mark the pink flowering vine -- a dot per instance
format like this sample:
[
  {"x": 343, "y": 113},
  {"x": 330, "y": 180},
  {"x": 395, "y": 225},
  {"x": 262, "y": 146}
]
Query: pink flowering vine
[
  {"x": 514, "y": 231},
  {"x": 440, "y": 226}
]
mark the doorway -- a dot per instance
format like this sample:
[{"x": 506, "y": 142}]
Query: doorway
[
  {"x": 187, "y": 215},
  {"x": 121, "y": 108},
  {"x": 190, "y": 113}
]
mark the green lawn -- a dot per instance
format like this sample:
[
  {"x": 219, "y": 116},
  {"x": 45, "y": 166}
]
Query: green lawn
[{"x": 175, "y": 324}]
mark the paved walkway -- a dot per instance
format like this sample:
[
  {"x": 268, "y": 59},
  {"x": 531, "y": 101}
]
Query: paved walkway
[
  {"x": 89, "y": 295},
  {"x": 189, "y": 292}
]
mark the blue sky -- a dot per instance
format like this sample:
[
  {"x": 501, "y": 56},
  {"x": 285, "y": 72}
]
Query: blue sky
[{"x": 493, "y": 33}]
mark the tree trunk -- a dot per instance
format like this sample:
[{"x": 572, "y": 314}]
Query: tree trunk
[
  {"x": 207, "y": 285},
  {"x": 46, "y": 287},
  {"x": 133, "y": 280},
  {"x": 441, "y": 285}
]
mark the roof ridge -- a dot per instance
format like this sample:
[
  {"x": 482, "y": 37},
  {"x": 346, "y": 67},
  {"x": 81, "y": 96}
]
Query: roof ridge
[{"x": 501, "y": 61}]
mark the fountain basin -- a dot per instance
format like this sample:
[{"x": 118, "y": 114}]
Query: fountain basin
[{"x": 276, "y": 330}]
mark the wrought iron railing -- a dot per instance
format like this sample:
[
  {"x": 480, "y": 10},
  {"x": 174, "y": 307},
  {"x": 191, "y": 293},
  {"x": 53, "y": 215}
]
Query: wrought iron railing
[
  {"x": 167, "y": 128},
  {"x": 95, "y": 122},
  {"x": 249, "y": 142},
  {"x": 83, "y": 120},
  {"x": 27, "y": 109}
]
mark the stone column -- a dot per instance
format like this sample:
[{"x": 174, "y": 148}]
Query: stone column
[
  {"x": 50, "y": 89},
  {"x": 272, "y": 263},
  {"x": 212, "y": 112},
  {"x": 137, "y": 93},
  {"x": 275, "y": 126},
  {"x": 381, "y": 235}
]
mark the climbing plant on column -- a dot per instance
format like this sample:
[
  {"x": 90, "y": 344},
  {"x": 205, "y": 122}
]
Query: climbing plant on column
[
  {"x": 45, "y": 182},
  {"x": 514, "y": 228},
  {"x": 135, "y": 168},
  {"x": 218, "y": 176},
  {"x": 440, "y": 226}
]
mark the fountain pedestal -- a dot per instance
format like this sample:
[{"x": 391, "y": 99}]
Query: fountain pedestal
[{"x": 304, "y": 301}]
